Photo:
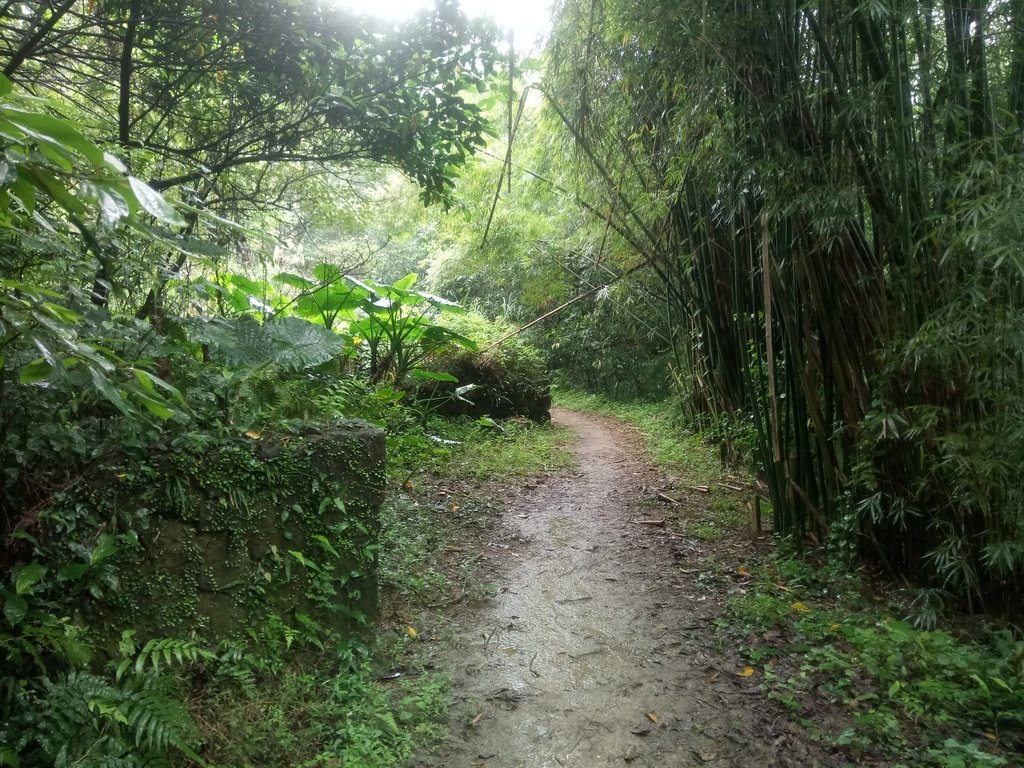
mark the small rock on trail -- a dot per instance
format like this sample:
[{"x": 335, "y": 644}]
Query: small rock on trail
[{"x": 595, "y": 651}]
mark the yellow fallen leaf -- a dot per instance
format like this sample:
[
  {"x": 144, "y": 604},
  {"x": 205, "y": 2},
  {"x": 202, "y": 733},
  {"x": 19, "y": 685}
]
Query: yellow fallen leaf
[
  {"x": 652, "y": 717},
  {"x": 743, "y": 570},
  {"x": 254, "y": 435},
  {"x": 455, "y": 505},
  {"x": 747, "y": 672},
  {"x": 800, "y": 607},
  {"x": 411, "y": 632},
  {"x": 833, "y": 627}
]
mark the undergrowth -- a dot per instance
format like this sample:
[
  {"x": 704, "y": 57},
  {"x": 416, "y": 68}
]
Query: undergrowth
[
  {"x": 477, "y": 448},
  {"x": 817, "y": 637},
  {"x": 315, "y": 709}
]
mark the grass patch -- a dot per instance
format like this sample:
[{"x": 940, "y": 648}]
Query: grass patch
[
  {"x": 817, "y": 640},
  {"x": 465, "y": 448},
  {"x": 519, "y": 450},
  {"x": 302, "y": 704}
]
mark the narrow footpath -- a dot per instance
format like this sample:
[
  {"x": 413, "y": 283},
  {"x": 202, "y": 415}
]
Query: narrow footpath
[{"x": 597, "y": 649}]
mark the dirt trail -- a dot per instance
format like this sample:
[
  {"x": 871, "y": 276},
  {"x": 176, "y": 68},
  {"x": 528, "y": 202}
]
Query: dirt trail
[{"x": 596, "y": 651}]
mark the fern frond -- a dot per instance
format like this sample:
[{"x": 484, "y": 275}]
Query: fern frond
[
  {"x": 87, "y": 722},
  {"x": 167, "y": 651},
  {"x": 289, "y": 342}
]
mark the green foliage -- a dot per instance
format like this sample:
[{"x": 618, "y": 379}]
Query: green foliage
[
  {"x": 81, "y": 718},
  {"x": 502, "y": 376},
  {"x": 931, "y": 696},
  {"x": 276, "y": 708},
  {"x": 288, "y": 343},
  {"x": 517, "y": 449}
]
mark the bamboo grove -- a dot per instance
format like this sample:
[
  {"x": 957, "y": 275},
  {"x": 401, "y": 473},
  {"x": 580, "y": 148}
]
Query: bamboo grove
[{"x": 831, "y": 195}]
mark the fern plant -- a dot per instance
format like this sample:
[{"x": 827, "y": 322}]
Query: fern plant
[{"x": 85, "y": 720}]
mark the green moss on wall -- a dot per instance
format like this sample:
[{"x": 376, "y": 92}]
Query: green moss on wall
[{"x": 239, "y": 530}]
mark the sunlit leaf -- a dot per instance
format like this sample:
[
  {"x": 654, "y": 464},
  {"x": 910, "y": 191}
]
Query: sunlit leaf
[
  {"x": 154, "y": 204},
  {"x": 27, "y": 577}
]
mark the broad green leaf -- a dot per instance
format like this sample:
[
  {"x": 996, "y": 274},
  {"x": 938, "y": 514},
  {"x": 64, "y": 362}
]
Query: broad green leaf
[
  {"x": 151, "y": 383},
  {"x": 72, "y": 572},
  {"x": 15, "y": 609},
  {"x": 387, "y": 395},
  {"x": 154, "y": 204},
  {"x": 105, "y": 547},
  {"x": 106, "y": 388},
  {"x": 113, "y": 206},
  {"x": 157, "y": 407},
  {"x": 294, "y": 281},
  {"x": 323, "y": 542},
  {"x": 25, "y": 191},
  {"x": 113, "y": 162},
  {"x": 56, "y": 189},
  {"x": 56, "y": 155},
  {"x": 406, "y": 282},
  {"x": 57, "y": 312},
  {"x": 327, "y": 273},
  {"x": 28, "y": 576},
  {"x": 36, "y": 371},
  {"x": 55, "y": 130},
  {"x": 247, "y": 284},
  {"x": 461, "y": 392}
]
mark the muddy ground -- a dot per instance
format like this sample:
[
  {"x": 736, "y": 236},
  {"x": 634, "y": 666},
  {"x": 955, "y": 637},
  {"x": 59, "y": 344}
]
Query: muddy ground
[{"x": 598, "y": 647}]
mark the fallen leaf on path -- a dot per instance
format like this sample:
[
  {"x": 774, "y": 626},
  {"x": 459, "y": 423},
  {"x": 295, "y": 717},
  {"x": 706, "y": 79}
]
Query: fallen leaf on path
[
  {"x": 652, "y": 717},
  {"x": 800, "y": 607},
  {"x": 747, "y": 672},
  {"x": 411, "y": 632},
  {"x": 707, "y": 754},
  {"x": 743, "y": 570}
]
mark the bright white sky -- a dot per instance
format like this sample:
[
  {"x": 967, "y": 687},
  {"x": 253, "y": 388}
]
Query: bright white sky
[{"x": 528, "y": 19}]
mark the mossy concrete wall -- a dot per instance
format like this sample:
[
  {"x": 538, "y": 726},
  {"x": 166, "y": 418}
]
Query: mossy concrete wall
[{"x": 253, "y": 527}]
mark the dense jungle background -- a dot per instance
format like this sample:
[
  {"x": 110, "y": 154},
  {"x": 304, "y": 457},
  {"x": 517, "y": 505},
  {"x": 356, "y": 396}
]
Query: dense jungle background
[{"x": 788, "y": 234}]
